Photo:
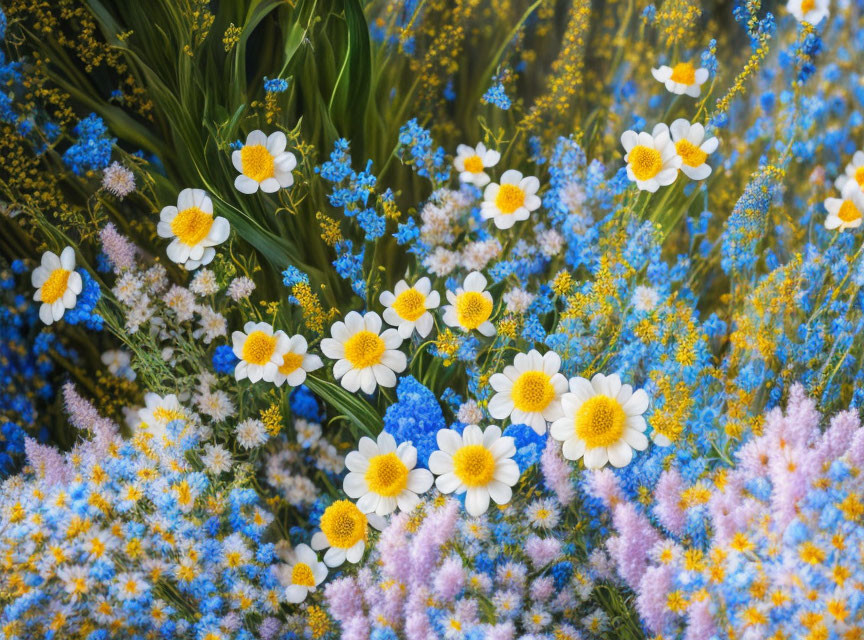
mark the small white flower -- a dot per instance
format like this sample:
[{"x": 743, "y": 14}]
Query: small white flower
[
  {"x": 470, "y": 306},
  {"x": 812, "y": 11},
  {"x": 344, "y": 529},
  {"x": 511, "y": 201},
  {"x": 296, "y": 362},
  {"x": 382, "y": 476},
  {"x": 118, "y": 180},
  {"x": 204, "y": 283},
  {"x": 693, "y": 149},
  {"x": 479, "y": 462},
  {"x": 251, "y": 433},
  {"x": 681, "y": 79},
  {"x": 302, "y": 573},
  {"x": 652, "y": 161},
  {"x": 260, "y": 350},
  {"x": 407, "y": 308},
  {"x": 529, "y": 391},
  {"x": 602, "y": 421},
  {"x": 216, "y": 458},
  {"x": 854, "y": 172},
  {"x": 845, "y": 212},
  {"x": 57, "y": 284},
  {"x": 645, "y": 298},
  {"x": 194, "y": 229},
  {"x": 469, "y": 413},
  {"x": 263, "y": 163},
  {"x": 365, "y": 356},
  {"x": 119, "y": 363},
  {"x": 471, "y": 162},
  {"x": 518, "y": 300}
]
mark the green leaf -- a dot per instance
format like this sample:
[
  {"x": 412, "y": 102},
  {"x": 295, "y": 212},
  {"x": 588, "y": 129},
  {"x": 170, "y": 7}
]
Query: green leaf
[{"x": 362, "y": 416}]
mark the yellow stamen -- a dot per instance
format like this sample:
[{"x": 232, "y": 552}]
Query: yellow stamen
[
  {"x": 191, "y": 225},
  {"x": 510, "y": 197},
  {"x": 532, "y": 391},
  {"x": 848, "y": 213},
  {"x": 690, "y": 154},
  {"x": 472, "y": 309},
  {"x": 684, "y": 73},
  {"x": 290, "y": 363},
  {"x": 387, "y": 475},
  {"x": 343, "y": 524},
  {"x": 259, "y": 348},
  {"x": 364, "y": 349},
  {"x": 600, "y": 421},
  {"x": 410, "y": 304},
  {"x": 257, "y": 162},
  {"x": 302, "y": 575},
  {"x": 474, "y": 164},
  {"x": 474, "y": 465},
  {"x": 859, "y": 176},
  {"x": 645, "y": 162},
  {"x": 55, "y": 286}
]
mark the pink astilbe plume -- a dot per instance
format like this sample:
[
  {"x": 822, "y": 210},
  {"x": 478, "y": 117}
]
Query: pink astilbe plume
[
  {"x": 668, "y": 507},
  {"x": 84, "y": 417},
  {"x": 556, "y": 473},
  {"x": 629, "y": 549},
  {"x": 603, "y": 485},
  {"x": 119, "y": 249},
  {"x": 47, "y": 462}
]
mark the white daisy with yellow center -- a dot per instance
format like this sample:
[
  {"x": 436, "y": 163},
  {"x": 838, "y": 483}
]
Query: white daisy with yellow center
[
  {"x": 602, "y": 421},
  {"x": 344, "y": 530},
  {"x": 260, "y": 350},
  {"x": 812, "y": 11},
  {"x": 263, "y": 163},
  {"x": 529, "y": 391},
  {"x": 382, "y": 476},
  {"x": 512, "y": 200},
  {"x": 159, "y": 412},
  {"x": 408, "y": 308},
  {"x": 365, "y": 357},
  {"x": 692, "y": 147},
  {"x": 470, "y": 306},
  {"x": 652, "y": 161},
  {"x": 478, "y": 463},
  {"x": 845, "y": 212},
  {"x": 471, "y": 162},
  {"x": 682, "y": 79},
  {"x": 854, "y": 172},
  {"x": 296, "y": 363},
  {"x": 302, "y": 573},
  {"x": 194, "y": 229},
  {"x": 57, "y": 284}
]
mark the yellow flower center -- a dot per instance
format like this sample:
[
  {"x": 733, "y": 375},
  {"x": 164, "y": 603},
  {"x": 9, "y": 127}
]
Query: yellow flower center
[
  {"x": 474, "y": 164},
  {"x": 684, "y": 73},
  {"x": 474, "y": 465},
  {"x": 510, "y": 197},
  {"x": 645, "y": 162},
  {"x": 364, "y": 349},
  {"x": 257, "y": 162},
  {"x": 387, "y": 475},
  {"x": 167, "y": 415},
  {"x": 807, "y": 6},
  {"x": 472, "y": 309},
  {"x": 533, "y": 391},
  {"x": 55, "y": 285},
  {"x": 600, "y": 422},
  {"x": 410, "y": 304},
  {"x": 690, "y": 154},
  {"x": 191, "y": 225},
  {"x": 290, "y": 363},
  {"x": 302, "y": 575},
  {"x": 859, "y": 176},
  {"x": 259, "y": 348},
  {"x": 848, "y": 212},
  {"x": 343, "y": 524}
]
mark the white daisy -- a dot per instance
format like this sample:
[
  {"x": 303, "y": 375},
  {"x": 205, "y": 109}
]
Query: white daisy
[
  {"x": 160, "y": 411},
  {"x": 260, "y": 350},
  {"x": 344, "y": 529},
  {"x": 365, "y": 356},
  {"x": 854, "y": 171},
  {"x": 645, "y": 298},
  {"x": 194, "y": 229},
  {"x": 602, "y": 421},
  {"x": 652, "y": 161},
  {"x": 511, "y": 201},
  {"x": 845, "y": 212},
  {"x": 681, "y": 79},
  {"x": 471, "y": 162},
  {"x": 812, "y": 11},
  {"x": 57, "y": 284},
  {"x": 529, "y": 391},
  {"x": 296, "y": 362},
  {"x": 470, "y": 306},
  {"x": 263, "y": 163},
  {"x": 216, "y": 458},
  {"x": 251, "y": 433},
  {"x": 691, "y": 146},
  {"x": 302, "y": 573},
  {"x": 477, "y": 462},
  {"x": 407, "y": 308},
  {"x": 382, "y": 476}
]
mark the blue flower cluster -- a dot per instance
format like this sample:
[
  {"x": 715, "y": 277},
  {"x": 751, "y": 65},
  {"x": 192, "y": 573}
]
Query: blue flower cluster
[{"x": 92, "y": 150}]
